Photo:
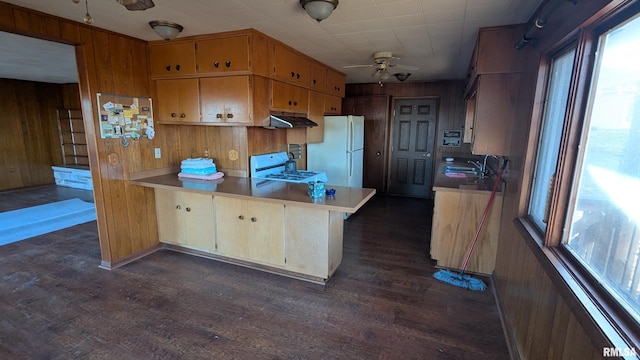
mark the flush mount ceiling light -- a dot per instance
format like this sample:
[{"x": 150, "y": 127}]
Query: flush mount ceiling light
[
  {"x": 166, "y": 29},
  {"x": 402, "y": 76},
  {"x": 319, "y": 9}
]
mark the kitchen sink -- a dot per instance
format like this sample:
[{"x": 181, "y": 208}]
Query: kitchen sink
[{"x": 467, "y": 170}]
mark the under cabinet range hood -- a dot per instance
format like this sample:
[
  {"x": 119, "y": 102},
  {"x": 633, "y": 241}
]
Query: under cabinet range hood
[{"x": 287, "y": 121}]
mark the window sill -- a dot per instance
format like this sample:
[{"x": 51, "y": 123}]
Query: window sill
[{"x": 601, "y": 320}]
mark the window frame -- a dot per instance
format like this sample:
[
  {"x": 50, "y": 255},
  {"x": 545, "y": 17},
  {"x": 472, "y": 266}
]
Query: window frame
[{"x": 575, "y": 282}]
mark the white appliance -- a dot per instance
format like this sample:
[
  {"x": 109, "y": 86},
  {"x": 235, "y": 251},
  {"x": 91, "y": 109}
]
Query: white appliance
[
  {"x": 271, "y": 167},
  {"x": 340, "y": 156}
]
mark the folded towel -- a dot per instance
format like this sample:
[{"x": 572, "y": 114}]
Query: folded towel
[
  {"x": 203, "y": 171},
  {"x": 196, "y": 166},
  {"x": 197, "y": 162},
  {"x": 215, "y": 176}
]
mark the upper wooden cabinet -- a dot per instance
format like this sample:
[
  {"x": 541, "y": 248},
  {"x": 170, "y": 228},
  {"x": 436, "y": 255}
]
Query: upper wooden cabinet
[
  {"x": 318, "y": 76},
  {"x": 226, "y": 100},
  {"x": 177, "y": 101},
  {"x": 291, "y": 66},
  {"x": 286, "y": 97},
  {"x": 332, "y": 105},
  {"x": 335, "y": 83},
  {"x": 223, "y": 55},
  {"x": 172, "y": 60}
]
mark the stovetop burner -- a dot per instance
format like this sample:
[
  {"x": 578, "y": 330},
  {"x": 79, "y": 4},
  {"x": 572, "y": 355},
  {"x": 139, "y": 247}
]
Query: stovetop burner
[{"x": 271, "y": 167}]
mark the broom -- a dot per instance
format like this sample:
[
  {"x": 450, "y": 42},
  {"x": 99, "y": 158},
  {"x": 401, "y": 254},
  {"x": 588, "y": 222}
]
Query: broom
[{"x": 460, "y": 279}]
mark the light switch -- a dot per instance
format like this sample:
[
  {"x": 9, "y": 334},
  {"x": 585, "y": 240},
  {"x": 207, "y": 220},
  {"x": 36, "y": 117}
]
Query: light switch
[{"x": 158, "y": 154}]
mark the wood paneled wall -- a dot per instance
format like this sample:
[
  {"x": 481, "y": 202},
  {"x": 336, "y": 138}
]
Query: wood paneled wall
[
  {"x": 29, "y": 142},
  {"x": 451, "y": 107},
  {"x": 542, "y": 322}
]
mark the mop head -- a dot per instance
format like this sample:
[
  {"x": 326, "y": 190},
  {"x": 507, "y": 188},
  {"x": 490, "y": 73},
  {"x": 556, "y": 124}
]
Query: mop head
[{"x": 461, "y": 280}]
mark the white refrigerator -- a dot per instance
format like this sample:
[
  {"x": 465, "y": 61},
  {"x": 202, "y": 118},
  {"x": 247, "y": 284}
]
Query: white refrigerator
[{"x": 341, "y": 153}]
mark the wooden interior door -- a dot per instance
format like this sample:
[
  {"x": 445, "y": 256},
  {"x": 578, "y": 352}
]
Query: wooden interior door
[
  {"x": 375, "y": 109},
  {"x": 412, "y": 149}
]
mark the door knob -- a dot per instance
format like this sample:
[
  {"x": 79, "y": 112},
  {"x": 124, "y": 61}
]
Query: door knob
[
  {"x": 188, "y": 209},
  {"x": 378, "y": 153},
  {"x": 427, "y": 155}
]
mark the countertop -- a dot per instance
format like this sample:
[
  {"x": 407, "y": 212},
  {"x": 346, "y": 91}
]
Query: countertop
[
  {"x": 347, "y": 199},
  {"x": 441, "y": 182}
]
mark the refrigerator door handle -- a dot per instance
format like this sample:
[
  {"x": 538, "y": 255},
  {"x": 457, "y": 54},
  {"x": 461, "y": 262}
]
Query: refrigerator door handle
[{"x": 351, "y": 136}]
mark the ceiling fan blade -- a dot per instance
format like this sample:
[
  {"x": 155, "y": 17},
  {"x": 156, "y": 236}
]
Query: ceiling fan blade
[
  {"x": 403, "y": 67},
  {"x": 356, "y": 66}
]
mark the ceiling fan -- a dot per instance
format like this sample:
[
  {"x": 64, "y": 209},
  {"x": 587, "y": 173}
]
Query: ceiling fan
[
  {"x": 134, "y": 5},
  {"x": 383, "y": 66}
]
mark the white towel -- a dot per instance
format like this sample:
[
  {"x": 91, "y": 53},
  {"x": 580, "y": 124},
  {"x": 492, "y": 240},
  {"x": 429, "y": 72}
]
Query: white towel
[{"x": 197, "y": 163}]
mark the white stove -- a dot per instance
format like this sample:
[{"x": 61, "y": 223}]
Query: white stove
[{"x": 271, "y": 167}]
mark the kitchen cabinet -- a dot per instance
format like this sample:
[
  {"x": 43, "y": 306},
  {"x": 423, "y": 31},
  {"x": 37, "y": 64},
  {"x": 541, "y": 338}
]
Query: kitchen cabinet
[
  {"x": 171, "y": 60},
  {"x": 313, "y": 240},
  {"x": 185, "y": 219},
  {"x": 318, "y": 76},
  {"x": 332, "y": 105},
  {"x": 177, "y": 101},
  {"x": 491, "y": 109},
  {"x": 456, "y": 215},
  {"x": 226, "y": 100},
  {"x": 316, "y": 113},
  {"x": 251, "y": 230},
  {"x": 227, "y": 54},
  {"x": 291, "y": 66},
  {"x": 335, "y": 83},
  {"x": 288, "y": 97}
]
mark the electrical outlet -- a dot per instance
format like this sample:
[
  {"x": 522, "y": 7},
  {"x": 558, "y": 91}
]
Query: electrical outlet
[
  {"x": 206, "y": 153},
  {"x": 158, "y": 153}
]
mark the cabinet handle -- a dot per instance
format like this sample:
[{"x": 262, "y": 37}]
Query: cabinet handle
[
  {"x": 173, "y": 114},
  {"x": 241, "y": 217},
  {"x": 295, "y": 103},
  {"x": 253, "y": 219},
  {"x": 314, "y": 81},
  {"x": 188, "y": 209},
  {"x": 219, "y": 116},
  {"x": 229, "y": 116},
  {"x": 297, "y": 76},
  {"x": 178, "y": 207},
  {"x": 183, "y": 115},
  {"x": 216, "y": 64},
  {"x": 293, "y": 74},
  {"x": 228, "y": 63},
  {"x": 289, "y": 102},
  {"x": 178, "y": 67},
  {"x": 168, "y": 68}
]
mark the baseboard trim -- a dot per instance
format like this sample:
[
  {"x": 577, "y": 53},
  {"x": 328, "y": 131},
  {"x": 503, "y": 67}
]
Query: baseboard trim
[
  {"x": 107, "y": 265},
  {"x": 506, "y": 327}
]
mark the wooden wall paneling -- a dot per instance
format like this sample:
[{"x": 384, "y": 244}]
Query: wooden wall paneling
[
  {"x": 7, "y": 20},
  {"x": 11, "y": 153},
  {"x": 30, "y": 22},
  {"x": 69, "y": 32},
  {"x": 262, "y": 141}
]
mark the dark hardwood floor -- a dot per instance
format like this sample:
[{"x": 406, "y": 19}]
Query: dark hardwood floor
[{"x": 382, "y": 303}]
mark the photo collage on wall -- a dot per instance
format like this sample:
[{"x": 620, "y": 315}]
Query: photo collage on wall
[{"x": 125, "y": 117}]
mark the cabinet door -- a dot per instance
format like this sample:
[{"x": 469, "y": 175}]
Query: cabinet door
[
  {"x": 225, "y": 99},
  {"x": 469, "y": 118},
  {"x": 223, "y": 55},
  {"x": 231, "y": 227},
  {"x": 332, "y": 105},
  {"x": 495, "y": 107},
  {"x": 197, "y": 210},
  {"x": 288, "y": 97},
  {"x": 291, "y": 66},
  {"x": 316, "y": 113},
  {"x": 335, "y": 83},
  {"x": 169, "y": 214},
  {"x": 318, "y": 76},
  {"x": 172, "y": 59},
  {"x": 178, "y": 101},
  {"x": 265, "y": 242}
]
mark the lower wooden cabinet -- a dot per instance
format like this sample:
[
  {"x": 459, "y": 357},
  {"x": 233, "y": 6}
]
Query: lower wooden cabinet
[
  {"x": 456, "y": 215},
  {"x": 250, "y": 230},
  {"x": 185, "y": 219}
]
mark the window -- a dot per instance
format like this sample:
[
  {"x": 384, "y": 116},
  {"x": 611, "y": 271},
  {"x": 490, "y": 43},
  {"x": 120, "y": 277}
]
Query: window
[
  {"x": 598, "y": 204},
  {"x": 604, "y": 220},
  {"x": 550, "y": 135}
]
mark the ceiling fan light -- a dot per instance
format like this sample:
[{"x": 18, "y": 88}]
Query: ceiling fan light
[
  {"x": 402, "y": 76},
  {"x": 319, "y": 9},
  {"x": 166, "y": 29}
]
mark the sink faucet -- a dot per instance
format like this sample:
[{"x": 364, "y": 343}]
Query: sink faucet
[
  {"x": 478, "y": 165},
  {"x": 482, "y": 167}
]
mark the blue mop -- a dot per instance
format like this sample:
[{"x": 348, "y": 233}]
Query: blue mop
[{"x": 458, "y": 278}]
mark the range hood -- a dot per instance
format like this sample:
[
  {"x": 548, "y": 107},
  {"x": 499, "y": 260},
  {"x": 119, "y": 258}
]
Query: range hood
[{"x": 288, "y": 121}]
